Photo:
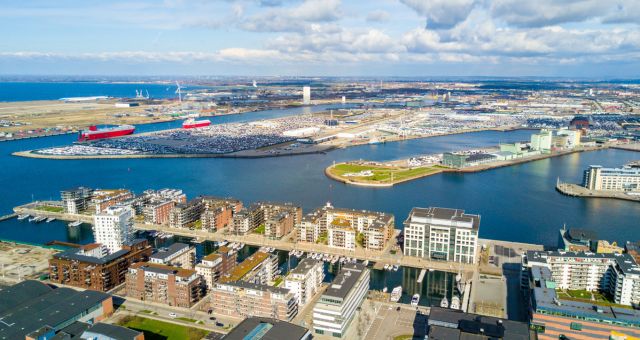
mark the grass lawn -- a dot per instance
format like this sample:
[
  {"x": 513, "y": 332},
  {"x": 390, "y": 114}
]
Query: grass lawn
[
  {"x": 50, "y": 208},
  {"x": 585, "y": 296},
  {"x": 159, "y": 330},
  {"x": 403, "y": 337},
  {"x": 259, "y": 229},
  {"x": 382, "y": 174}
]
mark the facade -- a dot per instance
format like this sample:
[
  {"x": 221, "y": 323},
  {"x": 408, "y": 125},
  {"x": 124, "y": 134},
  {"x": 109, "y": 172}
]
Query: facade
[
  {"x": 267, "y": 328},
  {"x": 347, "y": 228},
  {"x": 259, "y": 268},
  {"x": 542, "y": 141},
  {"x": 113, "y": 227},
  {"x": 305, "y": 280},
  {"x": 216, "y": 265},
  {"x": 441, "y": 234},
  {"x": 218, "y": 212},
  {"x": 335, "y": 309},
  {"x": 244, "y": 299},
  {"x": 279, "y": 225},
  {"x": 32, "y": 309},
  {"x": 279, "y": 216},
  {"x": 177, "y": 255},
  {"x": 158, "y": 212},
  {"x": 306, "y": 95},
  {"x": 76, "y": 200},
  {"x": 463, "y": 160},
  {"x": 90, "y": 267},
  {"x": 184, "y": 215},
  {"x": 626, "y": 179},
  {"x": 164, "y": 284},
  {"x": 103, "y": 199}
]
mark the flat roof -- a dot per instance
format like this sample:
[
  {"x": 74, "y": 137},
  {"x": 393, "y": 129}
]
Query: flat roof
[
  {"x": 36, "y": 306},
  {"x": 256, "y": 286},
  {"x": 446, "y": 214},
  {"x": 167, "y": 252},
  {"x": 305, "y": 266},
  {"x": 245, "y": 267},
  {"x": 162, "y": 269},
  {"x": 345, "y": 280},
  {"x": 275, "y": 330},
  {"x": 112, "y": 331}
]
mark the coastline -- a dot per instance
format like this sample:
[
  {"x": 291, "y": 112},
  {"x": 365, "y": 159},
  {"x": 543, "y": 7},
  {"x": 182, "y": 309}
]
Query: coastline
[
  {"x": 473, "y": 169},
  {"x": 575, "y": 190}
]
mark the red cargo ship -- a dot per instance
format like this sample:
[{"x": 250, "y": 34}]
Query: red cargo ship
[
  {"x": 94, "y": 133},
  {"x": 191, "y": 123}
]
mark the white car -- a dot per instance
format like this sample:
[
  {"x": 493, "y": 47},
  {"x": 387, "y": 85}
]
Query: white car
[{"x": 173, "y": 315}]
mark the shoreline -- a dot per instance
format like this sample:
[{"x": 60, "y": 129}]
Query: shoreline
[
  {"x": 478, "y": 168},
  {"x": 575, "y": 190}
]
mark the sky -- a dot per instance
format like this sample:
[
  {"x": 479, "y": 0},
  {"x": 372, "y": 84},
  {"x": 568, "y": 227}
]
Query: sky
[{"x": 546, "y": 38}]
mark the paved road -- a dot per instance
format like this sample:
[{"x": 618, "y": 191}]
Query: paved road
[{"x": 390, "y": 323}]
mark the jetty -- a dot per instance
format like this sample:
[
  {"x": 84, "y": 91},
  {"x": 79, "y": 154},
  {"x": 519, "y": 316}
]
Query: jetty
[
  {"x": 8, "y": 217},
  {"x": 421, "y": 276},
  {"x": 576, "y": 190}
]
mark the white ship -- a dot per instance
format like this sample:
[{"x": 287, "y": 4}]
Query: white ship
[
  {"x": 396, "y": 294},
  {"x": 415, "y": 299},
  {"x": 444, "y": 303}
]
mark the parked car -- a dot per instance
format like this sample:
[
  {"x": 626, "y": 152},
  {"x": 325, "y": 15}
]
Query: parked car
[{"x": 173, "y": 315}]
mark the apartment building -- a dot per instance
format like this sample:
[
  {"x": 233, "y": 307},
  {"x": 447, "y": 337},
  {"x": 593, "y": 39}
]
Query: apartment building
[
  {"x": 76, "y": 200},
  {"x": 164, "y": 284},
  {"x": 617, "y": 275},
  {"x": 158, "y": 212},
  {"x": 259, "y": 213},
  {"x": 347, "y": 228},
  {"x": 305, "y": 280},
  {"x": 103, "y": 199},
  {"x": 184, "y": 215},
  {"x": 177, "y": 255},
  {"x": 441, "y": 234},
  {"x": 280, "y": 224},
  {"x": 216, "y": 265},
  {"x": 244, "y": 299},
  {"x": 626, "y": 179},
  {"x": 335, "y": 309},
  {"x": 259, "y": 268},
  {"x": 92, "y": 267},
  {"x": 113, "y": 227}
]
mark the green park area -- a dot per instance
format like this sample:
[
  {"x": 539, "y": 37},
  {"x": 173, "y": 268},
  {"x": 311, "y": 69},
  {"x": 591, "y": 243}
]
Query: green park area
[
  {"x": 50, "y": 208},
  {"x": 380, "y": 174},
  {"x": 159, "y": 330}
]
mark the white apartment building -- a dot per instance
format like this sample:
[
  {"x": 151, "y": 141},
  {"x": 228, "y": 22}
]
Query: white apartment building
[
  {"x": 441, "y": 234},
  {"x": 306, "y": 95},
  {"x": 113, "y": 227},
  {"x": 305, "y": 280},
  {"x": 336, "y": 308},
  {"x": 625, "y": 179},
  {"x": 617, "y": 275}
]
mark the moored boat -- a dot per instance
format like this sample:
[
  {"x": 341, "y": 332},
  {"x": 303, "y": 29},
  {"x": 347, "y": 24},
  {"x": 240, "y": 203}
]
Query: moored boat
[
  {"x": 415, "y": 299},
  {"x": 444, "y": 303},
  {"x": 192, "y": 123},
  {"x": 396, "y": 294},
  {"x": 95, "y": 133}
]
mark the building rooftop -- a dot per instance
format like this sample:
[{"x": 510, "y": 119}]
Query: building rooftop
[
  {"x": 77, "y": 254},
  {"x": 164, "y": 254},
  {"x": 474, "y": 325},
  {"x": 27, "y": 306},
  {"x": 256, "y": 286},
  {"x": 266, "y": 329},
  {"x": 163, "y": 269},
  {"x": 305, "y": 266},
  {"x": 111, "y": 332},
  {"x": 345, "y": 280},
  {"x": 245, "y": 267},
  {"x": 446, "y": 214},
  {"x": 576, "y": 234}
]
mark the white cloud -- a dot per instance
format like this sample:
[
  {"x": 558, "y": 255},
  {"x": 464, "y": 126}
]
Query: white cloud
[{"x": 378, "y": 16}]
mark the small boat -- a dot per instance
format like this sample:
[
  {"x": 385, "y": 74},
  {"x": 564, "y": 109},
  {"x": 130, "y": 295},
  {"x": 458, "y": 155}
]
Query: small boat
[
  {"x": 22, "y": 217},
  {"x": 384, "y": 290},
  {"x": 334, "y": 260},
  {"x": 415, "y": 299},
  {"x": 386, "y": 267},
  {"x": 366, "y": 263},
  {"x": 39, "y": 219},
  {"x": 75, "y": 224},
  {"x": 50, "y": 219},
  {"x": 395, "y": 267},
  {"x": 396, "y": 294},
  {"x": 455, "y": 302},
  {"x": 444, "y": 303}
]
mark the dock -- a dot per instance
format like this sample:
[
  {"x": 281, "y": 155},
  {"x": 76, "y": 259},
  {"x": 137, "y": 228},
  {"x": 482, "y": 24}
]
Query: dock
[
  {"x": 8, "y": 217},
  {"x": 421, "y": 276},
  {"x": 575, "y": 190}
]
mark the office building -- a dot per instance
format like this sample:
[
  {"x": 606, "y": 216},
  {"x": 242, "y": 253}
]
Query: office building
[
  {"x": 268, "y": 329},
  {"x": 216, "y": 265},
  {"x": 306, "y": 95},
  {"x": 159, "y": 283},
  {"x": 76, "y": 200},
  {"x": 259, "y": 268},
  {"x": 347, "y": 228},
  {"x": 336, "y": 308},
  {"x": 185, "y": 215},
  {"x": 626, "y": 179},
  {"x": 31, "y": 308},
  {"x": 441, "y": 234},
  {"x": 450, "y": 324},
  {"x": 92, "y": 267},
  {"x": 177, "y": 255},
  {"x": 305, "y": 280},
  {"x": 243, "y": 299},
  {"x": 103, "y": 199},
  {"x": 113, "y": 227}
]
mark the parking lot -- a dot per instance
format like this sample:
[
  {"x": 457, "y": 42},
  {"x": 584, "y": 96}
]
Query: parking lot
[{"x": 389, "y": 322}]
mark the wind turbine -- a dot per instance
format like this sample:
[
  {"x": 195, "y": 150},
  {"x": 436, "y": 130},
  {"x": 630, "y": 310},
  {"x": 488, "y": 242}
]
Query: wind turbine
[{"x": 179, "y": 92}]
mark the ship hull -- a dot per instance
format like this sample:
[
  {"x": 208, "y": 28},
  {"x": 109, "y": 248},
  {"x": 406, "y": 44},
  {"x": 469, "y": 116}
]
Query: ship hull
[
  {"x": 196, "y": 125},
  {"x": 106, "y": 134}
]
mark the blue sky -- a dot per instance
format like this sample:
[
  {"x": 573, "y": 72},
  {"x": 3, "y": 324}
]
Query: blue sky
[{"x": 572, "y": 38}]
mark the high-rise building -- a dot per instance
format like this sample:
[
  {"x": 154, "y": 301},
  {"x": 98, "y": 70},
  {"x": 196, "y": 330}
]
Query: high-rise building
[
  {"x": 334, "y": 311},
  {"x": 306, "y": 95},
  {"x": 441, "y": 234},
  {"x": 76, "y": 200},
  {"x": 305, "y": 280},
  {"x": 113, "y": 227},
  {"x": 542, "y": 141}
]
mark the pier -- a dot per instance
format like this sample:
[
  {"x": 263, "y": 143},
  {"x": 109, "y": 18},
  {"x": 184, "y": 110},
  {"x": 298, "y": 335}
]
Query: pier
[
  {"x": 8, "y": 217},
  {"x": 575, "y": 190},
  {"x": 421, "y": 276}
]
